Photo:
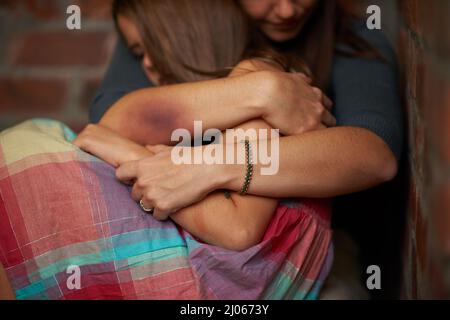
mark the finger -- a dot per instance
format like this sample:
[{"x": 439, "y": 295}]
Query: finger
[
  {"x": 147, "y": 205},
  {"x": 127, "y": 171},
  {"x": 129, "y": 182},
  {"x": 327, "y": 102},
  {"x": 172, "y": 202},
  {"x": 156, "y": 148},
  {"x": 137, "y": 194},
  {"x": 328, "y": 119},
  {"x": 305, "y": 78},
  {"x": 77, "y": 143},
  {"x": 160, "y": 215}
]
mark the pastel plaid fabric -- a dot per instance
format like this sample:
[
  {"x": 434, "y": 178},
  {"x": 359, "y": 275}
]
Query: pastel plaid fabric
[{"x": 61, "y": 207}]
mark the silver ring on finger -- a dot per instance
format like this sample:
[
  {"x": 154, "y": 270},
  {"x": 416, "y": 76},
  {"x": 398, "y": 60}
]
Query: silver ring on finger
[{"x": 148, "y": 210}]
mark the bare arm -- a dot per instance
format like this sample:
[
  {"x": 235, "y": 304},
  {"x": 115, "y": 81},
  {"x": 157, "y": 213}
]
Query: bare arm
[
  {"x": 149, "y": 116},
  {"x": 237, "y": 222},
  {"x": 234, "y": 223},
  {"x": 311, "y": 165},
  {"x": 319, "y": 164},
  {"x": 285, "y": 101}
]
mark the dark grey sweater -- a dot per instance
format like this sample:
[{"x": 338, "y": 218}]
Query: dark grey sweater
[{"x": 365, "y": 92}]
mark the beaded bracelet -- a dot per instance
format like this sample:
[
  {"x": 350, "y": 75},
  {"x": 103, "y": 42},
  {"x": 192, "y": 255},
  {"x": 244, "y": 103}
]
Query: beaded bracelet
[{"x": 249, "y": 165}]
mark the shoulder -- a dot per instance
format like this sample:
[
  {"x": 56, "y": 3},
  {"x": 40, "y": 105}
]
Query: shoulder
[
  {"x": 376, "y": 38},
  {"x": 366, "y": 91},
  {"x": 367, "y": 70}
]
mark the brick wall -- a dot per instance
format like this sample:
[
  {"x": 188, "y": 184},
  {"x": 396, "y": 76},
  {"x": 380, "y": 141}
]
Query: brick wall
[
  {"x": 47, "y": 70},
  {"x": 425, "y": 50}
]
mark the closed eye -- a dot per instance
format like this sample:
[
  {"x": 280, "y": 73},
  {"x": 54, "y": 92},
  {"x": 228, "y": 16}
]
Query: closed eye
[{"x": 137, "y": 51}]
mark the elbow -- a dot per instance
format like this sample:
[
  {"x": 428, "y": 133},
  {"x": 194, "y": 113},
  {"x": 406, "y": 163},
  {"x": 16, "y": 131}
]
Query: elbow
[
  {"x": 381, "y": 163},
  {"x": 242, "y": 238},
  {"x": 391, "y": 169},
  {"x": 118, "y": 122},
  {"x": 112, "y": 120},
  {"x": 386, "y": 165}
]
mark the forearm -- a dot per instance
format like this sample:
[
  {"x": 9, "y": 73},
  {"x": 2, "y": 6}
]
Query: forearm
[
  {"x": 245, "y": 218},
  {"x": 237, "y": 222},
  {"x": 320, "y": 164},
  {"x": 234, "y": 223},
  {"x": 149, "y": 116}
]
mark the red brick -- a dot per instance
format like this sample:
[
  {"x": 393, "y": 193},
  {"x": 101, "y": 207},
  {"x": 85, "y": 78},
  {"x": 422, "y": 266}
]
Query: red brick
[
  {"x": 436, "y": 26},
  {"x": 415, "y": 68},
  {"x": 410, "y": 10},
  {"x": 423, "y": 47},
  {"x": 436, "y": 104},
  {"x": 418, "y": 143},
  {"x": 44, "y": 9},
  {"x": 414, "y": 202},
  {"x": 26, "y": 95},
  {"x": 422, "y": 242},
  {"x": 95, "y": 9},
  {"x": 61, "y": 48},
  {"x": 439, "y": 283},
  {"x": 413, "y": 264},
  {"x": 441, "y": 214}
]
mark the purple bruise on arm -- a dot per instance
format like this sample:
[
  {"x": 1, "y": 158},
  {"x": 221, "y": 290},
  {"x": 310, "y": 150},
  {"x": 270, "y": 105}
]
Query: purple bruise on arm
[{"x": 153, "y": 122}]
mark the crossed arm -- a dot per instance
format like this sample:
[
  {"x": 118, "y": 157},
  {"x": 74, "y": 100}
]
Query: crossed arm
[
  {"x": 320, "y": 163},
  {"x": 236, "y": 222},
  {"x": 245, "y": 217}
]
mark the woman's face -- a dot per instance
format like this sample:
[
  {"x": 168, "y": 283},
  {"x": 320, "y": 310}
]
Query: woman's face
[
  {"x": 136, "y": 45},
  {"x": 279, "y": 20}
]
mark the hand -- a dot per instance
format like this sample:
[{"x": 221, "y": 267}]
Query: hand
[
  {"x": 109, "y": 146},
  {"x": 164, "y": 186},
  {"x": 294, "y": 106}
]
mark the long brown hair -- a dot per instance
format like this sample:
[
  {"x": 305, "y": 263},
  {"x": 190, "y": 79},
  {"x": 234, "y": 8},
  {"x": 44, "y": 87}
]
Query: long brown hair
[
  {"x": 188, "y": 40},
  {"x": 191, "y": 40}
]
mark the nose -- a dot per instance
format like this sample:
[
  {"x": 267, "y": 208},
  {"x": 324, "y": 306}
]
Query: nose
[
  {"x": 146, "y": 62},
  {"x": 285, "y": 9}
]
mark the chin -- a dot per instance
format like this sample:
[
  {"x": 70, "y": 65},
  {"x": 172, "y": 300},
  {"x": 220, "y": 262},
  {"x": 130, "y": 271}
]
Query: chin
[
  {"x": 278, "y": 36},
  {"x": 282, "y": 37}
]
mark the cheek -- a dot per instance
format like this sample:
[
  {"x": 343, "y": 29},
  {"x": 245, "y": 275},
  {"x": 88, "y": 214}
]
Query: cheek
[{"x": 256, "y": 9}]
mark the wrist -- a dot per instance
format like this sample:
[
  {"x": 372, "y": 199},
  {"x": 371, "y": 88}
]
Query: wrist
[
  {"x": 229, "y": 176},
  {"x": 256, "y": 87}
]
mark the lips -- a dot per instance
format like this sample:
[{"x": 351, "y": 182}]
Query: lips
[{"x": 286, "y": 26}]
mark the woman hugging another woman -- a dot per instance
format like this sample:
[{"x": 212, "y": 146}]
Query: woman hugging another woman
[{"x": 246, "y": 64}]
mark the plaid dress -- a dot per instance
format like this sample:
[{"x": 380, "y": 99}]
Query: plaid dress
[{"x": 63, "y": 214}]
